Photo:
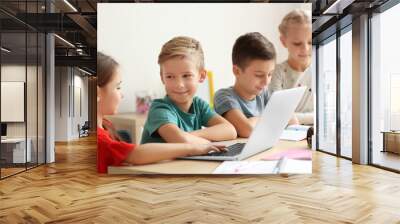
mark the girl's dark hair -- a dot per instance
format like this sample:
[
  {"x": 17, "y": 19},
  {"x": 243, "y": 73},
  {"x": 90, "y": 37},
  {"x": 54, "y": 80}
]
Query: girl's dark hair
[{"x": 106, "y": 66}]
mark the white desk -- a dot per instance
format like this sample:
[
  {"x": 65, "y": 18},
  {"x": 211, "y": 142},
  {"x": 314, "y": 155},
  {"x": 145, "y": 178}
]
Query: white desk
[
  {"x": 16, "y": 147},
  {"x": 198, "y": 166}
]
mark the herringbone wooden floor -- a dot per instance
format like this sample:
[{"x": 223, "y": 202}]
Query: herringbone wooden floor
[{"x": 70, "y": 191}]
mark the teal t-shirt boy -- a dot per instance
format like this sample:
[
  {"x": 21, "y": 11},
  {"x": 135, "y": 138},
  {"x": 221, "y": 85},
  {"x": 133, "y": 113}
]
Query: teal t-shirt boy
[{"x": 164, "y": 111}]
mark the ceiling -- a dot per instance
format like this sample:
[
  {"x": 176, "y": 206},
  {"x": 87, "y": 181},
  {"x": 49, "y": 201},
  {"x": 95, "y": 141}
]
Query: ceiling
[{"x": 77, "y": 25}]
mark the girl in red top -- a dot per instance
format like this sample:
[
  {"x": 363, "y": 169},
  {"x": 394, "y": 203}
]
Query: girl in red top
[{"x": 111, "y": 151}]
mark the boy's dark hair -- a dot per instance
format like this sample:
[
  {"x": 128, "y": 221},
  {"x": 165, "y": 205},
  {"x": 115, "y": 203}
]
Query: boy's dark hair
[{"x": 251, "y": 46}]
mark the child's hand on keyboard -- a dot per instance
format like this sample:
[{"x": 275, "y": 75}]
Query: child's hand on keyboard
[{"x": 202, "y": 149}]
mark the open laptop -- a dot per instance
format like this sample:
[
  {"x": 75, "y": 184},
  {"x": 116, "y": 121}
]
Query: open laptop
[{"x": 277, "y": 113}]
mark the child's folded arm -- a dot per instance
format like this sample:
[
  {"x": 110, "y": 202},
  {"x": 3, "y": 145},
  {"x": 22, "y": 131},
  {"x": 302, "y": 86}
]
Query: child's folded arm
[
  {"x": 243, "y": 125},
  {"x": 173, "y": 134},
  {"x": 154, "y": 152},
  {"x": 218, "y": 129}
]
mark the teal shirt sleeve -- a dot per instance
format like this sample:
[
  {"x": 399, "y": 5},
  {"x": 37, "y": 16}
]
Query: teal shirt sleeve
[
  {"x": 206, "y": 112},
  {"x": 158, "y": 116}
]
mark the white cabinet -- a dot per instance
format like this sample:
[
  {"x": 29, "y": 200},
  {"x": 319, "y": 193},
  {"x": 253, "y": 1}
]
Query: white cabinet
[{"x": 15, "y": 148}]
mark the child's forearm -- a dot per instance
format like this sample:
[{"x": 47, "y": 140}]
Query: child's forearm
[
  {"x": 245, "y": 128},
  {"x": 154, "y": 152},
  {"x": 186, "y": 137},
  {"x": 194, "y": 139},
  {"x": 253, "y": 121},
  {"x": 219, "y": 132},
  {"x": 172, "y": 134}
]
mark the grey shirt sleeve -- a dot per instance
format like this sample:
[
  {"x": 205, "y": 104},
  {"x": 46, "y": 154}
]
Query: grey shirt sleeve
[
  {"x": 276, "y": 80},
  {"x": 225, "y": 101}
]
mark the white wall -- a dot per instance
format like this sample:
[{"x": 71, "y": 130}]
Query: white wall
[
  {"x": 33, "y": 126},
  {"x": 134, "y": 33},
  {"x": 80, "y": 82},
  {"x": 66, "y": 121},
  {"x": 14, "y": 73},
  {"x": 84, "y": 85},
  {"x": 61, "y": 104},
  {"x": 17, "y": 73}
]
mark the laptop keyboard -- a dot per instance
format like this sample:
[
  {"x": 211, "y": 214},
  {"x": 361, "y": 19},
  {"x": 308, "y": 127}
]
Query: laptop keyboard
[{"x": 232, "y": 150}]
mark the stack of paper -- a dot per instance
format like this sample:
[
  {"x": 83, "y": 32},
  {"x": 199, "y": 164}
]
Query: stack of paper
[
  {"x": 283, "y": 165},
  {"x": 295, "y": 132},
  {"x": 295, "y": 166},
  {"x": 246, "y": 167}
]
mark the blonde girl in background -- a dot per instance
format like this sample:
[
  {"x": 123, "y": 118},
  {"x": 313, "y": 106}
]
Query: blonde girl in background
[{"x": 296, "y": 37}]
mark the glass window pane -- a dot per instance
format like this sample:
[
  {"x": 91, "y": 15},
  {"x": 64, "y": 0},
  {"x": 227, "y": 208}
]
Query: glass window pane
[
  {"x": 386, "y": 89},
  {"x": 23, "y": 84},
  {"x": 41, "y": 98},
  {"x": 327, "y": 97},
  {"x": 13, "y": 85},
  {"x": 31, "y": 97},
  {"x": 346, "y": 93}
]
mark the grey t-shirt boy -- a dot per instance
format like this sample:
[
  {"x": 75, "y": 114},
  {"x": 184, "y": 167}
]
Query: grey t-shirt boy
[{"x": 227, "y": 99}]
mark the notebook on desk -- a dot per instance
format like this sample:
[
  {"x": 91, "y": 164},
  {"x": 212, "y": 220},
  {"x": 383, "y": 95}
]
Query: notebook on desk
[
  {"x": 295, "y": 132},
  {"x": 281, "y": 166},
  {"x": 266, "y": 133}
]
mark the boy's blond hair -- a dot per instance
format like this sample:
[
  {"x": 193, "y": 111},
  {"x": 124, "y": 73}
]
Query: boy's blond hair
[
  {"x": 296, "y": 16},
  {"x": 184, "y": 47}
]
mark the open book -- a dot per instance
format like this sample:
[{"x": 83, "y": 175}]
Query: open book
[
  {"x": 283, "y": 165},
  {"x": 295, "y": 132}
]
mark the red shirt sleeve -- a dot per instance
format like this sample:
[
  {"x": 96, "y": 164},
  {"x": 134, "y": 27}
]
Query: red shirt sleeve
[{"x": 110, "y": 152}]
